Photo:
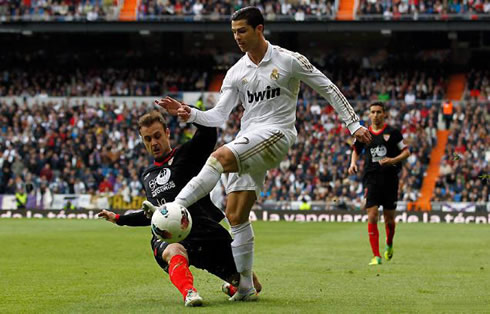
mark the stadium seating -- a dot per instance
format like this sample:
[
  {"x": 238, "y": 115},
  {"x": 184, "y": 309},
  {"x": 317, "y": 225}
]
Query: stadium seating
[
  {"x": 423, "y": 9},
  {"x": 466, "y": 161},
  {"x": 59, "y": 10}
]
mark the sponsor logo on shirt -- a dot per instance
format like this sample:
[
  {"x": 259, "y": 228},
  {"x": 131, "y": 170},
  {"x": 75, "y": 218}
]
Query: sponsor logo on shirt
[
  {"x": 378, "y": 153},
  {"x": 161, "y": 182},
  {"x": 266, "y": 94},
  {"x": 245, "y": 141}
]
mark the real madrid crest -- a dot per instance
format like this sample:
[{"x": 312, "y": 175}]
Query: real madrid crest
[
  {"x": 275, "y": 74},
  {"x": 244, "y": 81},
  {"x": 386, "y": 137}
]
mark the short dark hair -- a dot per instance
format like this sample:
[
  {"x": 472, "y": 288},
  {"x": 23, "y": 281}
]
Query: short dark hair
[
  {"x": 151, "y": 117},
  {"x": 379, "y": 104},
  {"x": 252, "y": 14}
]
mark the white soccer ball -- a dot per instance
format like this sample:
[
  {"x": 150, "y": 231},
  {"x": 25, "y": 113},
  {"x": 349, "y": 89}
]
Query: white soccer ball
[{"x": 171, "y": 223}]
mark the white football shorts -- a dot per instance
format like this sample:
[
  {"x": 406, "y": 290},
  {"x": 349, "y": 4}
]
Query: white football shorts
[{"x": 256, "y": 152}]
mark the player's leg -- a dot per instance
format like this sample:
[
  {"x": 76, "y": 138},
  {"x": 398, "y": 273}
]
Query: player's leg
[
  {"x": 255, "y": 151},
  {"x": 238, "y": 208},
  {"x": 220, "y": 161},
  {"x": 389, "y": 206},
  {"x": 173, "y": 259},
  {"x": 389, "y": 216},
  {"x": 374, "y": 234}
]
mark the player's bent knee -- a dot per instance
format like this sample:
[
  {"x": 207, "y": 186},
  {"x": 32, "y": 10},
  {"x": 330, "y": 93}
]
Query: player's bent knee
[
  {"x": 226, "y": 159},
  {"x": 173, "y": 249}
]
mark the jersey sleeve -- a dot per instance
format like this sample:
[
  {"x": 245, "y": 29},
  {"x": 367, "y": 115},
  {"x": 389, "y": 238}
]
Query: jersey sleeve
[
  {"x": 398, "y": 140},
  {"x": 306, "y": 72},
  {"x": 216, "y": 116},
  {"x": 202, "y": 144},
  {"x": 134, "y": 219},
  {"x": 358, "y": 146}
]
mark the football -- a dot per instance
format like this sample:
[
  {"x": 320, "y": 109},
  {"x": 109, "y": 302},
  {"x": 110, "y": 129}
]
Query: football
[{"x": 171, "y": 223}]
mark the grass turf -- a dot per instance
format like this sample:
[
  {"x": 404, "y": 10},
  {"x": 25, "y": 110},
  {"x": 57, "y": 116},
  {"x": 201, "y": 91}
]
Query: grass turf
[{"x": 66, "y": 266}]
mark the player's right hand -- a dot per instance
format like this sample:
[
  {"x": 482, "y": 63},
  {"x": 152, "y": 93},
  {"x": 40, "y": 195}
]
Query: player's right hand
[
  {"x": 363, "y": 135},
  {"x": 107, "y": 215},
  {"x": 352, "y": 169},
  {"x": 148, "y": 209},
  {"x": 184, "y": 113}
]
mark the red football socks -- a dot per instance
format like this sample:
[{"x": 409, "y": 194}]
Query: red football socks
[
  {"x": 180, "y": 275},
  {"x": 374, "y": 238},
  {"x": 390, "y": 233}
]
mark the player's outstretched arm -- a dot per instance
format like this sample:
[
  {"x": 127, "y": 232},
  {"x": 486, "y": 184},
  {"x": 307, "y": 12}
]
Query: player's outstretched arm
[{"x": 306, "y": 72}]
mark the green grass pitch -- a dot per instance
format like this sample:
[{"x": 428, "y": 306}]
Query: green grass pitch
[{"x": 70, "y": 266}]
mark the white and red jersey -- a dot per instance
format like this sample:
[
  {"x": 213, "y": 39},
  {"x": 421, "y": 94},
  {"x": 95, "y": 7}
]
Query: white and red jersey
[{"x": 269, "y": 93}]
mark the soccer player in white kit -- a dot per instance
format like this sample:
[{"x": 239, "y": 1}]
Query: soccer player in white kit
[{"x": 266, "y": 81}]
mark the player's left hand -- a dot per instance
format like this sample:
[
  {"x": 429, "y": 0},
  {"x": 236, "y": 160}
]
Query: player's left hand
[
  {"x": 386, "y": 162},
  {"x": 363, "y": 135},
  {"x": 107, "y": 215},
  {"x": 171, "y": 105}
]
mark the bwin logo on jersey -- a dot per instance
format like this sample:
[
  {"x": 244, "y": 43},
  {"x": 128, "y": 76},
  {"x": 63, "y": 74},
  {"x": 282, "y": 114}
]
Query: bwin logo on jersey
[{"x": 265, "y": 94}]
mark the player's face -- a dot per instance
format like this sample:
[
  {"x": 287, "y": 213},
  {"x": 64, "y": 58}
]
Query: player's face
[
  {"x": 377, "y": 115},
  {"x": 246, "y": 37},
  {"x": 156, "y": 139}
]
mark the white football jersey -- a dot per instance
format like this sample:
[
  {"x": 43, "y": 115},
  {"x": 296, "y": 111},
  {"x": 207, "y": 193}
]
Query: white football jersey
[{"x": 269, "y": 93}]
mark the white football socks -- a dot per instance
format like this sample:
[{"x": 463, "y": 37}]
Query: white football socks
[
  {"x": 243, "y": 253},
  {"x": 202, "y": 184}
]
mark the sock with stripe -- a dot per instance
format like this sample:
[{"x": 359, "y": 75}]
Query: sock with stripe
[
  {"x": 374, "y": 238},
  {"x": 180, "y": 275},
  {"x": 202, "y": 184}
]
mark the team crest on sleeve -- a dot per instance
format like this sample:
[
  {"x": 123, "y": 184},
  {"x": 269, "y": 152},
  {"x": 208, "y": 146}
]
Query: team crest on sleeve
[
  {"x": 275, "y": 74},
  {"x": 386, "y": 137}
]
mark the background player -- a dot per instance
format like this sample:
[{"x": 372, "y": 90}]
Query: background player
[
  {"x": 208, "y": 245},
  {"x": 383, "y": 163},
  {"x": 266, "y": 81}
]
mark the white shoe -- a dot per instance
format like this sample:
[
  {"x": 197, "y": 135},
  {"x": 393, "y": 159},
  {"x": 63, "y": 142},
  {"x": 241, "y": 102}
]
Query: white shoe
[
  {"x": 249, "y": 296},
  {"x": 193, "y": 298}
]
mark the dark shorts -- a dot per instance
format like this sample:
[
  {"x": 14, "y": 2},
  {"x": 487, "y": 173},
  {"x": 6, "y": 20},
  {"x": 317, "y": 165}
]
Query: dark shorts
[
  {"x": 213, "y": 254},
  {"x": 381, "y": 190}
]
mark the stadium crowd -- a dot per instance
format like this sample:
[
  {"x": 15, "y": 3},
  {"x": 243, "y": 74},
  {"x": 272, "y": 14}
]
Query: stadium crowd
[
  {"x": 104, "y": 76},
  {"x": 217, "y": 9},
  {"x": 419, "y": 9},
  {"x": 478, "y": 86},
  {"x": 58, "y": 10},
  {"x": 192, "y": 10},
  {"x": 96, "y": 149},
  {"x": 86, "y": 149},
  {"x": 466, "y": 164}
]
